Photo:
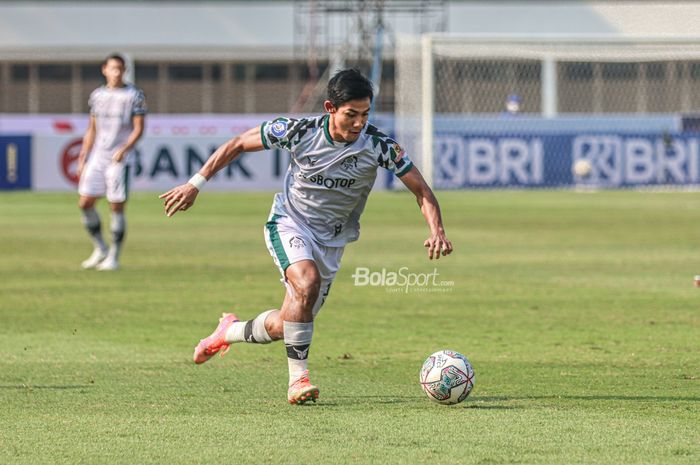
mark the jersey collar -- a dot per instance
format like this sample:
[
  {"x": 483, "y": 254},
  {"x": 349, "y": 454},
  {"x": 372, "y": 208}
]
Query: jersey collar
[{"x": 325, "y": 129}]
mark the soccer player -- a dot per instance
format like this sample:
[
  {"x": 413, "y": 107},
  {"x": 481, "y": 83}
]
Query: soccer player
[
  {"x": 117, "y": 113},
  {"x": 334, "y": 163}
]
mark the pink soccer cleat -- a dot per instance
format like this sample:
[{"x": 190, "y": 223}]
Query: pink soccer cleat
[
  {"x": 302, "y": 390},
  {"x": 209, "y": 346}
]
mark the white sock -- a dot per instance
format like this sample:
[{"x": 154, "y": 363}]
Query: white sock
[
  {"x": 252, "y": 331},
  {"x": 297, "y": 340},
  {"x": 118, "y": 228},
  {"x": 296, "y": 369}
]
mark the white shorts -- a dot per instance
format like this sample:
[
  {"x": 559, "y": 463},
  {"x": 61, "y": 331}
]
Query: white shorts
[
  {"x": 288, "y": 244},
  {"x": 109, "y": 180}
]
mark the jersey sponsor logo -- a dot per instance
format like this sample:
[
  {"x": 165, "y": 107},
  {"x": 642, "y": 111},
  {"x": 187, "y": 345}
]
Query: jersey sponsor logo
[
  {"x": 332, "y": 183},
  {"x": 279, "y": 128},
  {"x": 297, "y": 242},
  {"x": 350, "y": 162}
]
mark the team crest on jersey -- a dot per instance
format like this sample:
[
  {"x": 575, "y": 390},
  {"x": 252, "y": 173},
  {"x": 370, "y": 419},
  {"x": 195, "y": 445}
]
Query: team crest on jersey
[
  {"x": 279, "y": 128},
  {"x": 350, "y": 162},
  {"x": 297, "y": 242}
]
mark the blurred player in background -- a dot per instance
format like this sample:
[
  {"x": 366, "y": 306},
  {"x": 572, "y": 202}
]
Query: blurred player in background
[
  {"x": 335, "y": 158},
  {"x": 117, "y": 113},
  {"x": 512, "y": 106}
]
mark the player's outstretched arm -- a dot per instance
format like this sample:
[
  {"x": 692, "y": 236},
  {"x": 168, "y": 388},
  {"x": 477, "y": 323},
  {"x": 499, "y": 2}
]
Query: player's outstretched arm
[
  {"x": 182, "y": 197},
  {"x": 437, "y": 243}
]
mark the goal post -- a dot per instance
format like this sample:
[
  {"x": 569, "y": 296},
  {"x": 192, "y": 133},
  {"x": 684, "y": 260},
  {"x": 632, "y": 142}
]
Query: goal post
[
  {"x": 515, "y": 91},
  {"x": 427, "y": 107}
]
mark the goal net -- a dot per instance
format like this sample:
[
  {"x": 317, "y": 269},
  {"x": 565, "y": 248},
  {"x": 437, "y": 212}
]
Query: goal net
[{"x": 503, "y": 112}]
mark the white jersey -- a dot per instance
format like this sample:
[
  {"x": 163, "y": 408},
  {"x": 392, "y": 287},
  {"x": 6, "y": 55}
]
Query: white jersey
[
  {"x": 327, "y": 183},
  {"x": 113, "y": 109}
]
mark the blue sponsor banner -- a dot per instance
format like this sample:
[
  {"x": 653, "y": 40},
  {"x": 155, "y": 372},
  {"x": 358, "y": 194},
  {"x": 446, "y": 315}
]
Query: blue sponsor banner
[
  {"x": 15, "y": 162},
  {"x": 547, "y": 160}
]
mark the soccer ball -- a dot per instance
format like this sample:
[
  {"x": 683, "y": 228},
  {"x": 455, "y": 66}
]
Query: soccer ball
[
  {"x": 582, "y": 168},
  {"x": 447, "y": 377}
]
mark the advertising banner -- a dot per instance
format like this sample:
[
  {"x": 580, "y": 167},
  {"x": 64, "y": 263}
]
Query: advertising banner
[
  {"x": 15, "y": 162},
  {"x": 545, "y": 160},
  {"x": 160, "y": 163},
  {"x": 175, "y": 146}
]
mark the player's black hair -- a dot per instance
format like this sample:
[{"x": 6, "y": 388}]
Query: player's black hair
[
  {"x": 349, "y": 84},
  {"x": 114, "y": 56}
]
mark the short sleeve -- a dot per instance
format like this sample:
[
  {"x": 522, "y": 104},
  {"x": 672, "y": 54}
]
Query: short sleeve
[
  {"x": 139, "y": 106},
  {"x": 283, "y": 133},
  {"x": 393, "y": 157},
  {"x": 92, "y": 100}
]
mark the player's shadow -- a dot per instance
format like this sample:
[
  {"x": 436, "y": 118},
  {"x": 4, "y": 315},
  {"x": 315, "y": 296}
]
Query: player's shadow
[
  {"x": 376, "y": 399},
  {"x": 344, "y": 401},
  {"x": 484, "y": 403},
  {"x": 471, "y": 405},
  {"x": 591, "y": 397},
  {"x": 497, "y": 402}
]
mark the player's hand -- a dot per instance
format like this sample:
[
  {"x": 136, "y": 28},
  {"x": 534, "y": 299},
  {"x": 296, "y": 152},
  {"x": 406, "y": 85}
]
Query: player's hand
[
  {"x": 179, "y": 198},
  {"x": 79, "y": 171},
  {"x": 118, "y": 155},
  {"x": 438, "y": 244}
]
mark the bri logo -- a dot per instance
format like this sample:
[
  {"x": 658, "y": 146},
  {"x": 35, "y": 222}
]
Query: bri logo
[{"x": 331, "y": 183}]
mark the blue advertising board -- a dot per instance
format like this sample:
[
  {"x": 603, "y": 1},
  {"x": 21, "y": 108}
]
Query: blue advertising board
[
  {"x": 534, "y": 160},
  {"x": 15, "y": 162}
]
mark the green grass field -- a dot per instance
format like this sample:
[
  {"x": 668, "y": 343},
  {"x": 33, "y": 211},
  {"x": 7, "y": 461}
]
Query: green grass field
[{"x": 577, "y": 311}]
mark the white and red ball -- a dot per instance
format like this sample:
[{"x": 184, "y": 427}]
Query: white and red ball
[{"x": 447, "y": 377}]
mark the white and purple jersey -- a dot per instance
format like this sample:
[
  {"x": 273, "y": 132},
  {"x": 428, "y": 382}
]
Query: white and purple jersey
[{"x": 327, "y": 183}]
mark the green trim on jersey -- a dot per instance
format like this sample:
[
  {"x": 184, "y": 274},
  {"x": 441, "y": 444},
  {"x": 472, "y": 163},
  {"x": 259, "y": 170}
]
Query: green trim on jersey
[
  {"x": 406, "y": 169},
  {"x": 277, "y": 242},
  {"x": 262, "y": 135},
  {"x": 326, "y": 131}
]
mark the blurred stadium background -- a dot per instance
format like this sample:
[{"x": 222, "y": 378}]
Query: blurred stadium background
[{"x": 613, "y": 83}]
